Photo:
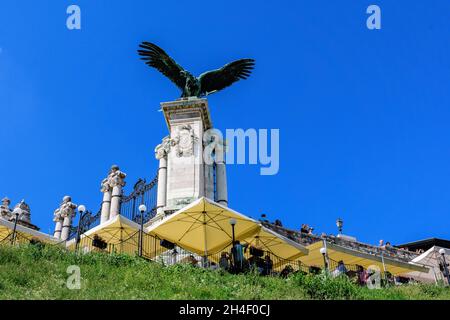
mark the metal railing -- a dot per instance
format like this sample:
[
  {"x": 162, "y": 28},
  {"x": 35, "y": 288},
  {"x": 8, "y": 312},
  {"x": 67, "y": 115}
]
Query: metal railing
[
  {"x": 85, "y": 223},
  {"x": 151, "y": 245},
  {"x": 265, "y": 263},
  {"x": 307, "y": 239},
  {"x": 142, "y": 193}
]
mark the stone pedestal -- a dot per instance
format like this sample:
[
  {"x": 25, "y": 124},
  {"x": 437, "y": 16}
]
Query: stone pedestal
[
  {"x": 187, "y": 120},
  {"x": 186, "y": 172}
]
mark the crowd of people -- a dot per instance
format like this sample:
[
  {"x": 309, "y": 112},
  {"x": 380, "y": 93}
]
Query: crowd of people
[
  {"x": 365, "y": 276},
  {"x": 237, "y": 261}
]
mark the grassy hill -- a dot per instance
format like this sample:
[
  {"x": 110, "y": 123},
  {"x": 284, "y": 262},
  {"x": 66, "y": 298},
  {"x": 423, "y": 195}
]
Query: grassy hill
[{"x": 35, "y": 272}]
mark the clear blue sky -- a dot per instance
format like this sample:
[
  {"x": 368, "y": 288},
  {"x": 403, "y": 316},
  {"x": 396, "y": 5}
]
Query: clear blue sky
[{"x": 363, "y": 115}]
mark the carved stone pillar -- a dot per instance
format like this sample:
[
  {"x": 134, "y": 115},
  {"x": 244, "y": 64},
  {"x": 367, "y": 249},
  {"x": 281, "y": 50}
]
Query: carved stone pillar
[
  {"x": 161, "y": 152},
  {"x": 106, "y": 203},
  {"x": 67, "y": 212},
  {"x": 117, "y": 182}
]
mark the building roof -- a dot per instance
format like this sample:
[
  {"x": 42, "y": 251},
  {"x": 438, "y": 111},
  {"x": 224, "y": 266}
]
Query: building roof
[{"x": 425, "y": 244}]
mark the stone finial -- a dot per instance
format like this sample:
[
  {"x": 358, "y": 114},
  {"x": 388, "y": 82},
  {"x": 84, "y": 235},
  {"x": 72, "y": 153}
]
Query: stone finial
[
  {"x": 5, "y": 211},
  {"x": 66, "y": 209},
  {"x": 25, "y": 212}
]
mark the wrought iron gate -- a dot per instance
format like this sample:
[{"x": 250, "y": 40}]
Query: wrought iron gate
[{"x": 143, "y": 193}]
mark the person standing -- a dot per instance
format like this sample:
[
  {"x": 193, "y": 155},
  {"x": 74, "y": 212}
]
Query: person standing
[{"x": 238, "y": 256}]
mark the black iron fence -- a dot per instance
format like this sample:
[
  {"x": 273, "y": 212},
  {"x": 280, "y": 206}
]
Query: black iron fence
[
  {"x": 143, "y": 193},
  {"x": 85, "y": 222},
  {"x": 148, "y": 246}
]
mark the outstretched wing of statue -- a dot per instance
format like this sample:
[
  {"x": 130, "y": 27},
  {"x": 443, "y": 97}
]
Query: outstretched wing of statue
[
  {"x": 157, "y": 58},
  {"x": 227, "y": 75}
]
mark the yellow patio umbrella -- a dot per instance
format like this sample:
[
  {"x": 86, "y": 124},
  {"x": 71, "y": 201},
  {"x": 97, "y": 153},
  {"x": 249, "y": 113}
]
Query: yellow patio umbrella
[
  {"x": 120, "y": 235},
  {"x": 355, "y": 257},
  {"x": 203, "y": 227},
  {"x": 280, "y": 246},
  {"x": 23, "y": 234}
]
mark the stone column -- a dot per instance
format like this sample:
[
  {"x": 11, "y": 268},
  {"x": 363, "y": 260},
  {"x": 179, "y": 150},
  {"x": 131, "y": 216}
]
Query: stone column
[
  {"x": 161, "y": 152},
  {"x": 67, "y": 212},
  {"x": 209, "y": 181},
  {"x": 106, "y": 203},
  {"x": 221, "y": 176},
  {"x": 58, "y": 223},
  {"x": 117, "y": 182}
]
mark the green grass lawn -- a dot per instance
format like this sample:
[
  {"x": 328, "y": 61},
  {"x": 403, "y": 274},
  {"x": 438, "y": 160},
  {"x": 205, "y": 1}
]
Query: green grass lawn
[{"x": 34, "y": 272}]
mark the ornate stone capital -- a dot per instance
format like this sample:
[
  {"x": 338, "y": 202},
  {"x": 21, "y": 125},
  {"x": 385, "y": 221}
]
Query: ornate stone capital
[
  {"x": 117, "y": 178},
  {"x": 66, "y": 209},
  {"x": 105, "y": 187},
  {"x": 114, "y": 178},
  {"x": 163, "y": 149}
]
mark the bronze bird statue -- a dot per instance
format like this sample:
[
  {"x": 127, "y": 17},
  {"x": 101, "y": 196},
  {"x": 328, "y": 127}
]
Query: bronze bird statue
[{"x": 191, "y": 86}]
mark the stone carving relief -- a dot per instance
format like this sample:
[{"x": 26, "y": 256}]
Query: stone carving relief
[
  {"x": 184, "y": 141},
  {"x": 183, "y": 201}
]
